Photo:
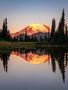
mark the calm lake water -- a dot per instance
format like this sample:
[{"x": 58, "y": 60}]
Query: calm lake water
[{"x": 37, "y": 69}]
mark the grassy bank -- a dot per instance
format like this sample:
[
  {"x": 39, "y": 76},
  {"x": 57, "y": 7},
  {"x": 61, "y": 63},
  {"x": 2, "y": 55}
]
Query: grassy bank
[
  {"x": 14, "y": 45},
  {"x": 27, "y": 45}
]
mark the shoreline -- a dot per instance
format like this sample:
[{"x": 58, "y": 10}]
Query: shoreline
[{"x": 28, "y": 45}]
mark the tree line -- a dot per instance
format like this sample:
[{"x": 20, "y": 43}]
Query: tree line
[
  {"x": 57, "y": 36},
  {"x": 60, "y": 35},
  {"x": 4, "y": 32}
]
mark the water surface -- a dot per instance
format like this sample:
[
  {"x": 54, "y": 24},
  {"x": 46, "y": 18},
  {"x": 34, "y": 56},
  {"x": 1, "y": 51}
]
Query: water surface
[{"x": 37, "y": 69}]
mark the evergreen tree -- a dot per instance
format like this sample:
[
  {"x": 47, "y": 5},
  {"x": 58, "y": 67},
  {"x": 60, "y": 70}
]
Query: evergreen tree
[
  {"x": 5, "y": 31},
  {"x": 52, "y": 36},
  {"x": 66, "y": 33},
  {"x": 61, "y": 26},
  {"x": 66, "y": 30}
]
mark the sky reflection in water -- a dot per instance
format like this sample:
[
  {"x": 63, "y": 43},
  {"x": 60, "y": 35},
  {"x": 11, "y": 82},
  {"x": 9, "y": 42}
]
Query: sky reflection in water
[{"x": 34, "y": 69}]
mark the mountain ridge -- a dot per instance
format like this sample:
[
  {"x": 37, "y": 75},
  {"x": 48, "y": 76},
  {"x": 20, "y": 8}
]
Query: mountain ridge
[{"x": 32, "y": 29}]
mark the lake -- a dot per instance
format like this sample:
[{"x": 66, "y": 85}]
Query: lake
[{"x": 34, "y": 69}]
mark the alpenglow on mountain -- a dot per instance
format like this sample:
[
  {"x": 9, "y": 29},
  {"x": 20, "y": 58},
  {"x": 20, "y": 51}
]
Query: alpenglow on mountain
[{"x": 33, "y": 31}]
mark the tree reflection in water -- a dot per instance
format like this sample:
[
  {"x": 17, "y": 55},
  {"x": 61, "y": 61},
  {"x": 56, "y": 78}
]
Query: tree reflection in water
[
  {"x": 4, "y": 55},
  {"x": 57, "y": 55},
  {"x": 61, "y": 56}
]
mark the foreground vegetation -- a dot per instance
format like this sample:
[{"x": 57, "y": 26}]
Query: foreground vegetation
[
  {"x": 26, "y": 45},
  {"x": 15, "y": 45}
]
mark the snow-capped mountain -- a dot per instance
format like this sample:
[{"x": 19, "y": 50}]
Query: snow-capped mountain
[{"x": 33, "y": 29}]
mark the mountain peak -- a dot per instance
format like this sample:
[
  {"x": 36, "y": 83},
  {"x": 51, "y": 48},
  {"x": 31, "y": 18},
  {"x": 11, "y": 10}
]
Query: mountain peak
[{"x": 33, "y": 28}]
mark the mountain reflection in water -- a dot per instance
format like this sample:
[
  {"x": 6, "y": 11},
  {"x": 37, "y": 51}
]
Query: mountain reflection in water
[
  {"x": 33, "y": 58},
  {"x": 38, "y": 56}
]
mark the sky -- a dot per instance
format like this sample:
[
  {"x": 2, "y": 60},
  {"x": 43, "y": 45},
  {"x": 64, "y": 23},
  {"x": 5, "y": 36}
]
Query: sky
[{"x": 21, "y": 13}]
